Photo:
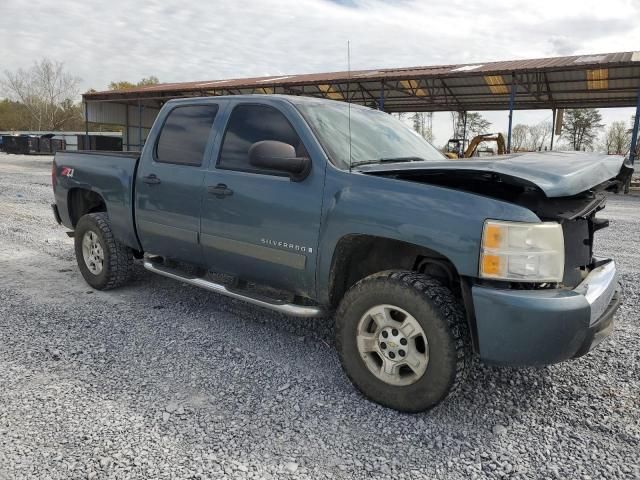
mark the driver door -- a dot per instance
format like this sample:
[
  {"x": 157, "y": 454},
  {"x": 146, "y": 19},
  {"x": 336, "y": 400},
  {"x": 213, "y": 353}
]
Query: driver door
[{"x": 257, "y": 224}]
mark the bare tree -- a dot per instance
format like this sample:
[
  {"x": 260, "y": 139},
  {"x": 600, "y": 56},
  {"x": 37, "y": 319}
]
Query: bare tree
[
  {"x": 581, "y": 126},
  {"x": 617, "y": 138},
  {"x": 476, "y": 124},
  {"x": 456, "y": 123},
  {"x": 519, "y": 137},
  {"x": 422, "y": 126},
  {"x": 538, "y": 135},
  {"x": 47, "y": 92}
]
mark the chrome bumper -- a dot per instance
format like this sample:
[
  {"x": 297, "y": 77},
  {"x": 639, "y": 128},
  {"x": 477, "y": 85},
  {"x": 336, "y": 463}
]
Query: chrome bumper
[{"x": 598, "y": 288}]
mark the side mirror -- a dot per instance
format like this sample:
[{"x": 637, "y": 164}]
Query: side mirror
[{"x": 279, "y": 156}]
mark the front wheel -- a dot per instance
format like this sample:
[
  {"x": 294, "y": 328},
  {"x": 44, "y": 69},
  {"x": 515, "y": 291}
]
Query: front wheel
[
  {"x": 104, "y": 262},
  {"x": 403, "y": 340}
]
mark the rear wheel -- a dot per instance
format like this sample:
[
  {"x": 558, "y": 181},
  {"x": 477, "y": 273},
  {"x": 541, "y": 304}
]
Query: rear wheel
[
  {"x": 104, "y": 262},
  {"x": 403, "y": 340}
]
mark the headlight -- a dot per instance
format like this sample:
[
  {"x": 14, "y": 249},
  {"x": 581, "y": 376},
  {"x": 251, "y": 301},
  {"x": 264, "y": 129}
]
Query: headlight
[{"x": 522, "y": 252}]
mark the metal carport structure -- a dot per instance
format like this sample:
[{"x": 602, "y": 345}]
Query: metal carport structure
[{"x": 598, "y": 81}]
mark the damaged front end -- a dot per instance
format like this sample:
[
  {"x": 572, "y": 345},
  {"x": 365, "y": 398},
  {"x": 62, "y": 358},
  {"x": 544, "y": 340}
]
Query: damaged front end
[
  {"x": 524, "y": 315},
  {"x": 576, "y": 213}
]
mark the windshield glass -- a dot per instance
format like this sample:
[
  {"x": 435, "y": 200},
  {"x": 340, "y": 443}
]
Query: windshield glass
[{"x": 376, "y": 136}]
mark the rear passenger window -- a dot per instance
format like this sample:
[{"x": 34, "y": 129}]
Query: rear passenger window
[
  {"x": 253, "y": 123},
  {"x": 185, "y": 134}
]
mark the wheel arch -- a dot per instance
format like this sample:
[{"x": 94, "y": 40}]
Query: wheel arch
[
  {"x": 82, "y": 201},
  {"x": 357, "y": 256}
]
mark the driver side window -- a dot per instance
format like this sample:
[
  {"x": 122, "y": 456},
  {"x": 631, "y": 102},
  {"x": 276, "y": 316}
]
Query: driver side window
[{"x": 254, "y": 123}]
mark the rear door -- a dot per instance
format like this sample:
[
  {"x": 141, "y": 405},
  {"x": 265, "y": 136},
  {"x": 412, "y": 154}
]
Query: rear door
[
  {"x": 169, "y": 182},
  {"x": 260, "y": 225}
]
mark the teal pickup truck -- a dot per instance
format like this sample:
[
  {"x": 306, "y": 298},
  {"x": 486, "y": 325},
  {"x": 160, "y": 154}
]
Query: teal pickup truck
[{"x": 342, "y": 210}]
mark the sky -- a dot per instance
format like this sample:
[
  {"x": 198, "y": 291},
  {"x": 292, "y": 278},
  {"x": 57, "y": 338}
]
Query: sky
[{"x": 176, "y": 40}]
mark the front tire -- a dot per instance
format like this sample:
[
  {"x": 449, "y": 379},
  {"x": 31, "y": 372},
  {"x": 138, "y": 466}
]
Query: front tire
[
  {"x": 104, "y": 262},
  {"x": 403, "y": 340}
]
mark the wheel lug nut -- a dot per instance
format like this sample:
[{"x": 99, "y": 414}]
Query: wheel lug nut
[
  {"x": 394, "y": 332},
  {"x": 383, "y": 345},
  {"x": 401, "y": 353},
  {"x": 392, "y": 355},
  {"x": 403, "y": 341},
  {"x": 385, "y": 334}
]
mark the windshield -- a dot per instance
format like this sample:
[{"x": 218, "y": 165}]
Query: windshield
[{"x": 376, "y": 136}]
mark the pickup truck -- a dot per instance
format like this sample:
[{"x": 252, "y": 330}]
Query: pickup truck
[{"x": 313, "y": 207}]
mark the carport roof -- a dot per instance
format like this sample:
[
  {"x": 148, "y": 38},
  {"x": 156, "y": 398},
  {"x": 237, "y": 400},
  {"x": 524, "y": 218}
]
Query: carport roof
[{"x": 597, "y": 80}]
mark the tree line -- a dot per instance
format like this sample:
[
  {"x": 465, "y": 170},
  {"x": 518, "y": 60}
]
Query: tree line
[{"x": 44, "y": 97}]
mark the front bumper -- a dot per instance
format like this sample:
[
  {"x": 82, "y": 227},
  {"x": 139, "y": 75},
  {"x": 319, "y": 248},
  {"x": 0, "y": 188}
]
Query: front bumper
[{"x": 537, "y": 327}]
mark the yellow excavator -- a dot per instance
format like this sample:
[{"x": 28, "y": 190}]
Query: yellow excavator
[{"x": 455, "y": 147}]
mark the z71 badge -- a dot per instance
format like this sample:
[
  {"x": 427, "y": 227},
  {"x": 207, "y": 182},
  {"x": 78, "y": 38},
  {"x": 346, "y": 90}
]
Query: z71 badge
[{"x": 66, "y": 172}]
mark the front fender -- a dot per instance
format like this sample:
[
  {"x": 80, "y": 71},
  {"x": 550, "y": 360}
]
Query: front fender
[{"x": 443, "y": 220}]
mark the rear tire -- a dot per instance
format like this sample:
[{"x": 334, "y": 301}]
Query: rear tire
[
  {"x": 403, "y": 340},
  {"x": 104, "y": 262}
]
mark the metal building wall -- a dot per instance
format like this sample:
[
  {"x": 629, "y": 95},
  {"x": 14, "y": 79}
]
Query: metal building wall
[{"x": 136, "y": 120}]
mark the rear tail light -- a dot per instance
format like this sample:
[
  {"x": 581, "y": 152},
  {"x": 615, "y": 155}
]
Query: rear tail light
[{"x": 53, "y": 175}]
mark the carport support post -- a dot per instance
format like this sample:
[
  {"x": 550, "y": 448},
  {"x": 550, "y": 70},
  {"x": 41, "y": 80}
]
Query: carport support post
[
  {"x": 86, "y": 126},
  {"x": 381, "y": 104},
  {"x": 126, "y": 127},
  {"x": 634, "y": 133},
  {"x": 512, "y": 101},
  {"x": 553, "y": 126},
  {"x": 139, "y": 125},
  {"x": 464, "y": 134}
]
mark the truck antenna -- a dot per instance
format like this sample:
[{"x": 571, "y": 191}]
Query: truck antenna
[{"x": 349, "y": 96}]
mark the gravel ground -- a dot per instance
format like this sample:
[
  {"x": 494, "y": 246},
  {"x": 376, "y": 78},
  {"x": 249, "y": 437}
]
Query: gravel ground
[{"x": 162, "y": 380}]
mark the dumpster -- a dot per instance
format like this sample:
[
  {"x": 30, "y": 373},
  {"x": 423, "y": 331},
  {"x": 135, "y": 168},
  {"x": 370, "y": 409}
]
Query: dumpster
[{"x": 99, "y": 142}]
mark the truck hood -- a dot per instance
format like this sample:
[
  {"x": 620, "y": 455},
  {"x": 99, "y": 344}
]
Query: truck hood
[{"x": 557, "y": 174}]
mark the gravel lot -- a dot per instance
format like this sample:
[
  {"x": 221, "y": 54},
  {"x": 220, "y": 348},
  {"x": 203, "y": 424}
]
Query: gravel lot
[{"x": 162, "y": 380}]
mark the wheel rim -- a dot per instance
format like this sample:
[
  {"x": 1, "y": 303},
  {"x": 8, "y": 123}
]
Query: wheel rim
[
  {"x": 92, "y": 252},
  {"x": 393, "y": 345}
]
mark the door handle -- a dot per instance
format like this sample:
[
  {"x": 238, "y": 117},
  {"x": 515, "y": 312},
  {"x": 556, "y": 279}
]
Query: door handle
[
  {"x": 220, "y": 190},
  {"x": 151, "y": 179}
]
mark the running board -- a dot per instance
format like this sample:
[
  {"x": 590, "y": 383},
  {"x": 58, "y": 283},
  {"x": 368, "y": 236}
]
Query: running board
[{"x": 278, "y": 306}]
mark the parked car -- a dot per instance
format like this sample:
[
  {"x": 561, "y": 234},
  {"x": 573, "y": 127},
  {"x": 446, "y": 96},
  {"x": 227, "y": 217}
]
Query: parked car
[{"x": 423, "y": 261}]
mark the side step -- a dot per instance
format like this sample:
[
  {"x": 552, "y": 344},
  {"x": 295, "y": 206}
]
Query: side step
[{"x": 278, "y": 306}]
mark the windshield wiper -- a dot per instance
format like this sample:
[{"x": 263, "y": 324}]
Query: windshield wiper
[{"x": 389, "y": 160}]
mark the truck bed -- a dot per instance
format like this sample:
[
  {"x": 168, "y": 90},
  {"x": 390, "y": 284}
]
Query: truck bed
[{"x": 111, "y": 175}]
